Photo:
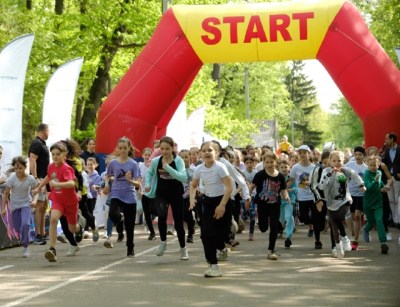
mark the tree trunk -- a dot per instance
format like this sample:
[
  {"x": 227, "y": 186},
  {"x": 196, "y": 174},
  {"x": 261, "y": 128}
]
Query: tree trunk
[
  {"x": 59, "y": 7},
  {"x": 99, "y": 87}
]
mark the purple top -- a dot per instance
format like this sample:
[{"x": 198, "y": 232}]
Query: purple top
[
  {"x": 121, "y": 188},
  {"x": 94, "y": 179}
]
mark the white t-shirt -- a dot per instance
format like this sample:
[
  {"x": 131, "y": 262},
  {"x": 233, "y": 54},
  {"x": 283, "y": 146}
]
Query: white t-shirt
[
  {"x": 211, "y": 178},
  {"x": 20, "y": 195},
  {"x": 360, "y": 169},
  {"x": 302, "y": 176}
]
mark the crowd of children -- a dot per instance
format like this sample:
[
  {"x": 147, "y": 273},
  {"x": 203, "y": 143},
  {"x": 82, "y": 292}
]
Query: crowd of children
[{"x": 213, "y": 187}]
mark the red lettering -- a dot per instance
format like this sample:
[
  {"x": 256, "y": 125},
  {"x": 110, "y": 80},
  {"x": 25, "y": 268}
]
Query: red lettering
[
  {"x": 255, "y": 30},
  {"x": 233, "y": 21},
  {"x": 279, "y": 23},
  {"x": 303, "y": 18},
  {"x": 208, "y": 25}
]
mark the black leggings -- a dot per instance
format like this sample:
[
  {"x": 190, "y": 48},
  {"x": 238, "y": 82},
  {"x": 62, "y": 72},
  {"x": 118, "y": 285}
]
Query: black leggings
[
  {"x": 271, "y": 211},
  {"x": 214, "y": 232},
  {"x": 188, "y": 216},
  {"x": 68, "y": 234},
  {"x": 90, "y": 222},
  {"x": 318, "y": 220},
  {"x": 304, "y": 211},
  {"x": 146, "y": 203},
  {"x": 177, "y": 212},
  {"x": 336, "y": 219},
  {"x": 117, "y": 207}
]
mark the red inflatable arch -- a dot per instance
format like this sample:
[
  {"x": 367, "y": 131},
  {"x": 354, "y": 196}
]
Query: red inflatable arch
[{"x": 332, "y": 31}]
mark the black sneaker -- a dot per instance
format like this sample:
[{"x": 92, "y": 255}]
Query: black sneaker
[
  {"x": 189, "y": 239},
  {"x": 310, "y": 233},
  {"x": 120, "y": 237},
  {"x": 318, "y": 245},
  {"x": 39, "y": 241},
  {"x": 384, "y": 248},
  {"x": 288, "y": 242},
  {"x": 130, "y": 254},
  {"x": 51, "y": 254},
  {"x": 151, "y": 237},
  {"x": 79, "y": 235}
]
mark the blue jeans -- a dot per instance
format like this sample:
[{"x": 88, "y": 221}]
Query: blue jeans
[
  {"x": 286, "y": 215},
  {"x": 21, "y": 221}
]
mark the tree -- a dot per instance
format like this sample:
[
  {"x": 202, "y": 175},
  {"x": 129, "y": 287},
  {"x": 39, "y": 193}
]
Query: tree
[
  {"x": 303, "y": 95},
  {"x": 345, "y": 126},
  {"x": 383, "y": 17}
]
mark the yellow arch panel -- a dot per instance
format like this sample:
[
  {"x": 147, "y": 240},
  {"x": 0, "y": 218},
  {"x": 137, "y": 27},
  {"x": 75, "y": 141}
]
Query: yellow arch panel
[{"x": 257, "y": 32}]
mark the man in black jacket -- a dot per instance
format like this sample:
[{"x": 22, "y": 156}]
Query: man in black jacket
[{"x": 391, "y": 158}]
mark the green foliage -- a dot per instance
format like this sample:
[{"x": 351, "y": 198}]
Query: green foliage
[
  {"x": 383, "y": 17},
  {"x": 304, "y": 129},
  {"x": 345, "y": 127}
]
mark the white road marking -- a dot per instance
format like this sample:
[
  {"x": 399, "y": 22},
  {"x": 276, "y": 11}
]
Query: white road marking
[
  {"x": 5, "y": 267},
  {"x": 76, "y": 279}
]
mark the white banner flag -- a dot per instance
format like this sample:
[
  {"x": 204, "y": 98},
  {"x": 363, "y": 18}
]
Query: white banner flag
[
  {"x": 58, "y": 100},
  {"x": 13, "y": 64},
  {"x": 177, "y": 126},
  {"x": 196, "y": 127}
]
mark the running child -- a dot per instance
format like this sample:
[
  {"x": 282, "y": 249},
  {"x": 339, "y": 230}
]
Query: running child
[
  {"x": 19, "y": 186},
  {"x": 61, "y": 178},
  {"x": 270, "y": 188}
]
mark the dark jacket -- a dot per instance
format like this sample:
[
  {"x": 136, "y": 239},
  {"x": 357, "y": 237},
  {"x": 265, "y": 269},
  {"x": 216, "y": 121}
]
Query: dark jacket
[{"x": 393, "y": 166}]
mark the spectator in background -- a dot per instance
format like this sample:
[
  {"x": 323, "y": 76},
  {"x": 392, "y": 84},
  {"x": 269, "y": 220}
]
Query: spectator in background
[
  {"x": 391, "y": 158},
  {"x": 39, "y": 159},
  {"x": 90, "y": 153}
]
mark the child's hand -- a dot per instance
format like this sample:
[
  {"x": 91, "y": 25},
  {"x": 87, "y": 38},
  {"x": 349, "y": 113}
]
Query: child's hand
[
  {"x": 33, "y": 204},
  {"x": 128, "y": 176},
  {"x": 192, "y": 204},
  {"x": 319, "y": 205},
  {"x": 106, "y": 190},
  {"x": 219, "y": 212},
  {"x": 53, "y": 183},
  {"x": 247, "y": 204},
  {"x": 363, "y": 189},
  {"x": 79, "y": 193},
  {"x": 2, "y": 180},
  {"x": 3, "y": 211},
  {"x": 385, "y": 189},
  {"x": 35, "y": 191}
]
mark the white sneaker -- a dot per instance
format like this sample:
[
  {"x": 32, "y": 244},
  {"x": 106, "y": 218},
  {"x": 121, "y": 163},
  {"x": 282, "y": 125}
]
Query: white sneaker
[
  {"x": 272, "y": 256},
  {"x": 346, "y": 244},
  {"x": 334, "y": 252},
  {"x": 105, "y": 235},
  {"x": 107, "y": 243},
  {"x": 222, "y": 255},
  {"x": 86, "y": 234},
  {"x": 161, "y": 248},
  {"x": 339, "y": 250},
  {"x": 389, "y": 237},
  {"x": 26, "y": 253},
  {"x": 184, "y": 253},
  {"x": 72, "y": 250},
  {"x": 213, "y": 271}
]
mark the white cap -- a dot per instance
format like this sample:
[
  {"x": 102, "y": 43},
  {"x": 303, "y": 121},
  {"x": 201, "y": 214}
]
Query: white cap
[{"x": 304, "y": 147}]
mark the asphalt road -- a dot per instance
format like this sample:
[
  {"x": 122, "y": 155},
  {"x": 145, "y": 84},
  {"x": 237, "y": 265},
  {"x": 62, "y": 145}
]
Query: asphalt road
[{"x": 302, "y": 276}]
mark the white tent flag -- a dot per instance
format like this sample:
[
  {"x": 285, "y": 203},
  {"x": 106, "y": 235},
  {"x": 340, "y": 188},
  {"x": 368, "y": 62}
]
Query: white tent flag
[
  {"x": 13, "y": 64},
  {"x": 177, "y": 126},
  {"x": 59, "y": 98},
  {"x": 195, "y": 124}
]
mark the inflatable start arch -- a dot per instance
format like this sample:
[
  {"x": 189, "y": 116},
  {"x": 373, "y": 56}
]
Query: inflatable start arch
[{"x": 332, "y": 31}]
